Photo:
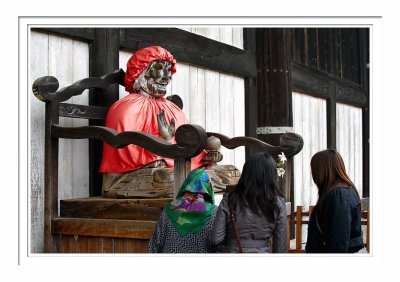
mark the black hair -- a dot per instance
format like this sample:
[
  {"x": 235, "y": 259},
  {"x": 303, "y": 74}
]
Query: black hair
[{"x": 258, "y": 186}]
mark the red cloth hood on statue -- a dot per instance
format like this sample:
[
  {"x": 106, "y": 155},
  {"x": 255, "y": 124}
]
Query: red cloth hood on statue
[{"x": 135, "y": 112}]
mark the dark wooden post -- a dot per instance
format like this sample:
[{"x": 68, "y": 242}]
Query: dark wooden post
[
  {"x": 51, "y": 174},
  {"x": 274, "y": 97},
  {"x": 331, "y": 116},
  {"x": 249, "y": 38},
  {"x": 181, "y": 171},
  {"x": 104, "y": 59},
  {"x": 364, "y": 69}
]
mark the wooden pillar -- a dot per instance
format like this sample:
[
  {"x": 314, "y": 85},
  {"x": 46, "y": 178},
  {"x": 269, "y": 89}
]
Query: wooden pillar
[
  {"x": 51, "y": 174},
  {"x": 364, "y": 69},
  {"x": 331, "y": 116},
  {"x": 104, "y": 59},
  {"x": 250, "y": 86},
  {"x": 274, "y": 97},
  {"x": 181, "y": 171}
]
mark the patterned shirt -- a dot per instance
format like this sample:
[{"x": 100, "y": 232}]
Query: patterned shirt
[{"x": 166, "y": 238}]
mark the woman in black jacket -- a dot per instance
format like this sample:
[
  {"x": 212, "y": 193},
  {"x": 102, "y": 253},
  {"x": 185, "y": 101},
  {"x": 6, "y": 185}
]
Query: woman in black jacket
[{"x": 335, "y": 223}]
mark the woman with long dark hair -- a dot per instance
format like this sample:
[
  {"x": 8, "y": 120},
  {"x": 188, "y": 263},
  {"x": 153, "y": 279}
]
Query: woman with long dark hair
[
  {"x": 335, "y": 223},
  {"x": 259, "y": 211}
]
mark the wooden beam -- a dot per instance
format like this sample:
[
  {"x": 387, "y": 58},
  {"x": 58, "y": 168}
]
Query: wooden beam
[
  {"x": 317, "y": 83},
  {"x": 185, "y": 46},
  {"x": 192, "y": 49},
  {"x": 136, "y": 229},
  {"x": 108, "y": 208},
  {"x": 310, "y": 81},
  {"x": 82, "y": 34}
]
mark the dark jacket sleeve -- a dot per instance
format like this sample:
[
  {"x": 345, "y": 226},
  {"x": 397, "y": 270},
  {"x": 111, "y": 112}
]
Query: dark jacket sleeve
[
  {"x": 337, "y": 217},
  {"x": 280, "y": 244},
  {"x": 156, "y": 243},
  {"x": 217, "y": 234}
]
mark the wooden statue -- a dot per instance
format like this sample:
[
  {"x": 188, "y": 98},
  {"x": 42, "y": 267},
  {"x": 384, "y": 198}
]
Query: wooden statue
[{"x": 132, "y": 171}]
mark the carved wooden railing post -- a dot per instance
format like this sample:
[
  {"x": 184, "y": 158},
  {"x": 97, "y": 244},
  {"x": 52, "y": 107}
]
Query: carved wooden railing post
[
  {"x": 289, "y": 143},
  {"x": 181, "y": 171},
  {"x": 45, "y": 89}
]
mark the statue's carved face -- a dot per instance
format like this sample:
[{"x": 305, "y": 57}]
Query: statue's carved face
[{"x": 158, "y": 75}]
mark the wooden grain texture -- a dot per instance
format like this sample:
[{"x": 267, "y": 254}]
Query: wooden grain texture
[
  {"x": 123, "y": 245},
  {"x": 67, "y": 60},
  {"x": 317, "y": 83},
  {"x": 38, "y": 67},
  {"x": 136, "y": 229},
  {"x": 79, "y": 160},
  {"x": 309, "y": 81},
  {"x": 181, "y": 171},
  {"x": 85, "y": 34},
  {"x": 82, "y": 111},
  {"x": 84, "y": 244},
  {"x": 105, "y": 245},
  {"x": 331, "y": 50},
  {"x": 349, "y": 142},
  {"x": 187, "y": 46},
  {"x": 309, "y": 120},
  {"x": 107, "y": 208},
  {"x": 193, "y": 49}
]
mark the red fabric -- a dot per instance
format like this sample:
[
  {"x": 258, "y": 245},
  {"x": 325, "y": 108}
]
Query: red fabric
[
  {"x": 138, "y": 113},
  {"x": 141, "y": 59}
]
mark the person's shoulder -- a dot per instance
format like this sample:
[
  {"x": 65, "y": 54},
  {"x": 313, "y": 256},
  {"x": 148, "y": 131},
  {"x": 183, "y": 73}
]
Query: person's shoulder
[
  {"x": 343, "y": 193},
  {"x": 339, "y": 191}
]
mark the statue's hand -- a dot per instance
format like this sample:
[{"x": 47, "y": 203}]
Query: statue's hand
[{"x": 166, "y": 130}]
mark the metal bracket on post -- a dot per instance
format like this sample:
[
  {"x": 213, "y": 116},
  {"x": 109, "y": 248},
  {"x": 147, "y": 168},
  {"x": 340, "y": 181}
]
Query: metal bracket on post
[{"x": 274, "y": 130}]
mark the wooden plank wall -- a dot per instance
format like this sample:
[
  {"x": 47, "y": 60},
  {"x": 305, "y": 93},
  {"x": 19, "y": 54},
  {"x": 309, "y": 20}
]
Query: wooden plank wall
[
  {"x": 309, "y": 120},
  {"x": 211, "y": 99},
  {"x": 332, "y": 50},
  {"x": 349, "y": 142},
  {"x": 67, "y": 60}
]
